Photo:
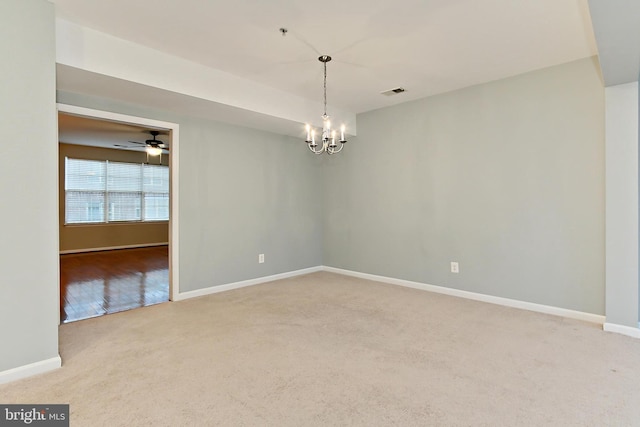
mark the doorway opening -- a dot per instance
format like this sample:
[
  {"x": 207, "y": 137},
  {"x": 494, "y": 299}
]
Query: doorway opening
[{"x": 118, "y": 212}]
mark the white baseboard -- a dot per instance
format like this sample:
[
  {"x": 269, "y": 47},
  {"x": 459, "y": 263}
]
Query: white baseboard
[
  {"x": 111, "y": 248},
  {"x": 540, "y": 308},
  {"x": 251, "y": 282},
  {"x": 30, "y": 369},
  {"x": 621, "y": 329}
]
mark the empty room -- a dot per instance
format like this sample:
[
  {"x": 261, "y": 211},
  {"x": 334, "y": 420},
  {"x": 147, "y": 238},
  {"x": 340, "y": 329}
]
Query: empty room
[{"x": 371, "y": 213}]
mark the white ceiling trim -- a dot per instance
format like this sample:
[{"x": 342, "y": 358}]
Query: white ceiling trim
[
  {"x": 116, "y": 117},
  {"x": 86, "y": 49}
]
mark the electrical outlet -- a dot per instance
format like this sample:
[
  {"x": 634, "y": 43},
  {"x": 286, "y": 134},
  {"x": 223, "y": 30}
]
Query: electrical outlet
[
  {"x": 261, "y": 259},
  {"x": 455, "y": 268}
]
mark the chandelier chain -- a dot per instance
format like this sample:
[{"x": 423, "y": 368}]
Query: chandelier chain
[{"x": 325, "y": 88}]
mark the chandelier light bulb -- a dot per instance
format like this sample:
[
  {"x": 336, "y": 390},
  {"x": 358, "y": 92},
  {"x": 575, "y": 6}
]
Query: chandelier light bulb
[
  {"x": 326, "y": 130},
  {"x": 333, "y": 139}
]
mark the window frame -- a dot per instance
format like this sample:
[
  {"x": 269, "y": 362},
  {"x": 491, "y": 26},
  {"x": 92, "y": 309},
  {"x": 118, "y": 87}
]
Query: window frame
[{"x": 107, "y": 202}]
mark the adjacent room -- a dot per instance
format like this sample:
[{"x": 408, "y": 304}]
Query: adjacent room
[
  {"x": 114, "y": 216},
  {"x": 400, "y": 213}
]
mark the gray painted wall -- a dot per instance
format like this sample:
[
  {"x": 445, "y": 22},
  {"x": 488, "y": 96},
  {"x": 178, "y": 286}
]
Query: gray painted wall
[
  {"x": 622, "y": 204},
  {"x": 28, "y": 176},
  {"x": 507, "y": 178},
  {"x": 242, "y": 192}
]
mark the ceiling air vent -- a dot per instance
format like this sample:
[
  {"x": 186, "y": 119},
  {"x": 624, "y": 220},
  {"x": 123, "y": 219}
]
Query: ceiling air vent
[{"x": 394, "y": 91}]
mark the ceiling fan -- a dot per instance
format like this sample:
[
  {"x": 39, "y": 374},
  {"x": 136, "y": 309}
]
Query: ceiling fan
[{"x": 154, "y": 146}]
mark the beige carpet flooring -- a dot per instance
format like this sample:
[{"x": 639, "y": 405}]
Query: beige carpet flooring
[{"x": 325, "y": 350}]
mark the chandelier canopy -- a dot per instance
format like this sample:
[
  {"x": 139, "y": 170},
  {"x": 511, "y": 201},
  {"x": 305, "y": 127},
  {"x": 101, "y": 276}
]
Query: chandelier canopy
[{"x": 327, "y": 143}]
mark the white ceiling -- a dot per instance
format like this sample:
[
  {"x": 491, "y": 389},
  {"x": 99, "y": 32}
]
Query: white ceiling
[
  {"x": 425, "y": 46},
  {"x": 107, "y": 134}
]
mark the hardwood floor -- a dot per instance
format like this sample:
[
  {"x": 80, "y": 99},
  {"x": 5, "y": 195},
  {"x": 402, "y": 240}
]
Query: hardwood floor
[{"x": 97, "y": 283}]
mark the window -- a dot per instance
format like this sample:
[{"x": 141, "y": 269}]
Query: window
[{"x": 105, "y": 191}]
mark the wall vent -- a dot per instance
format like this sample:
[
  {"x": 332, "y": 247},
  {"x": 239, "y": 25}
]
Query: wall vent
[{"x": 394, "y": 91}]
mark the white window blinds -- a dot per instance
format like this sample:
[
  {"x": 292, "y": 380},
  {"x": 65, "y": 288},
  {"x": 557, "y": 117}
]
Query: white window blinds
[
  {"x": 105, "y": 191},
  {"x": 155, "y": 186}
]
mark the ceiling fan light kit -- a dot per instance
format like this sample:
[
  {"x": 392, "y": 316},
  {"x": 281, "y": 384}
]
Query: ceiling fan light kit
[
  {"x": 153, "y": 147},
  {"x": 154, "y": 151},
  {"x": 327, "y": 143}
]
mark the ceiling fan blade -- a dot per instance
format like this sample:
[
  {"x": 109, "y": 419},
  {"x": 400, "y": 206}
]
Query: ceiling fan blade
[
  {"x": 136, "y": 142},
  {"x": 128, "y": 147}
]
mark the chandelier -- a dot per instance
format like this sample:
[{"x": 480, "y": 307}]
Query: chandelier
[{"x": 327, "y": 143}]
